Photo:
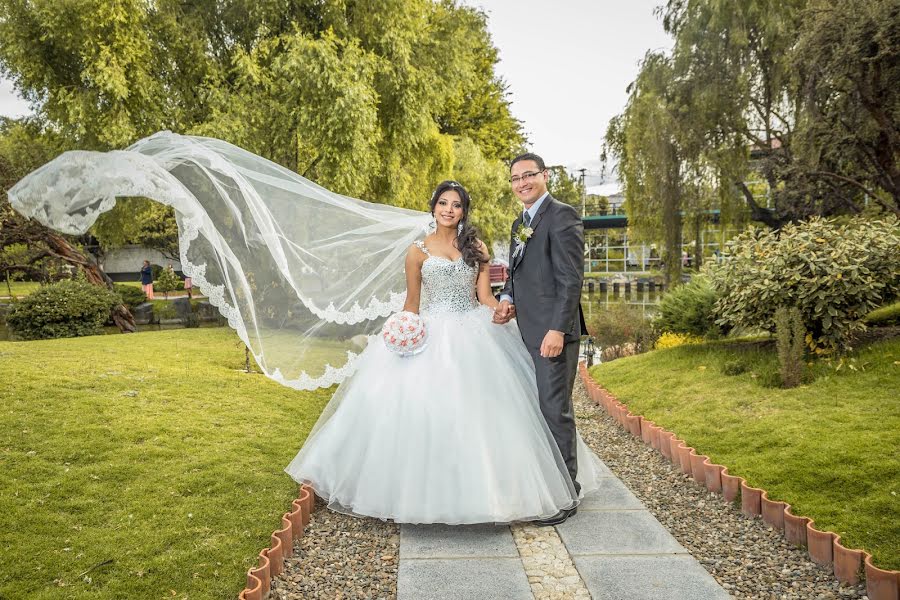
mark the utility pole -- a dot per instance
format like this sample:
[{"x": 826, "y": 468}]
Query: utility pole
[{"x": 583, "y": 194}]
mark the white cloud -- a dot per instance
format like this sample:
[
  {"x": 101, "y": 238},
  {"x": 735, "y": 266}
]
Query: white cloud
[{"x": 11, "y": 105}]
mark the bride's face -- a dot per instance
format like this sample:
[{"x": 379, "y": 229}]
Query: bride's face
[{"x": 448, "y": 210}]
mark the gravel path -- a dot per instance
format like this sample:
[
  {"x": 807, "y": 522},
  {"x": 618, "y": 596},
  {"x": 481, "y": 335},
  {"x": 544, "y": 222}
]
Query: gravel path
[
  {"x": 746, "y": 557},
  {"x": 341, "y": 557}
]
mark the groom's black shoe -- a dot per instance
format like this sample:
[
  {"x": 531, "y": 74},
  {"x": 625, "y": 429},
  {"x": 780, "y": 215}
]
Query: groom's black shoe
[{"x": 556, "y": 519}]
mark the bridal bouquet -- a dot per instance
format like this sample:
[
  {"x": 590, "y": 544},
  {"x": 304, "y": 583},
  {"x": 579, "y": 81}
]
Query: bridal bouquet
[{"x": 404, "y": 333}]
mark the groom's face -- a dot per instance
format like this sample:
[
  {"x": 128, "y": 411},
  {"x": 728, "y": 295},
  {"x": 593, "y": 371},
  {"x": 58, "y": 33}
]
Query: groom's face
[{"x": 528, "y": 181}]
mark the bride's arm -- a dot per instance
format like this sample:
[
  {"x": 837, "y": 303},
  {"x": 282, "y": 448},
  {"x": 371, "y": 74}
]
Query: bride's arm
[
  {"x": 414, "y": 260},
  {"x": 483, "y": 285}
]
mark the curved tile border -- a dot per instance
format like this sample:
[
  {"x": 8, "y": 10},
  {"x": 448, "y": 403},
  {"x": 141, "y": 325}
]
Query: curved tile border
[
  {"x": 849, "y": 565},
  {"x": 271, "y": 559}
]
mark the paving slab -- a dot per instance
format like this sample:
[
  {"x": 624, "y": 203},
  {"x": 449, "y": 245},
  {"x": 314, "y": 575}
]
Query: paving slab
[
  {"x": 676, "y": 577},
  {"x": 603, "y": 470},
  {"x": 612, "y": 494},
  {"x": 616, "y": 532},
  {"x": 462, "y": 579},
  {"x": 456, "y": 541}
]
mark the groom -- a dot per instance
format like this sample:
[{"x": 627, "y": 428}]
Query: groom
[{"x": 543, "y": 293}]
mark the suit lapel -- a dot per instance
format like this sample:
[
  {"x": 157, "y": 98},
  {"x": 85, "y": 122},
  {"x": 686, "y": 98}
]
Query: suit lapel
[{"x": 534, "y": 223}]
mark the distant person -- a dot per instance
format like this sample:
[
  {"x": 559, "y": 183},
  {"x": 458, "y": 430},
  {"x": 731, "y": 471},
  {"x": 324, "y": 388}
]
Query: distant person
[
  {"x": 147, "y": 280},
  {"x": 188, "y": 286}
]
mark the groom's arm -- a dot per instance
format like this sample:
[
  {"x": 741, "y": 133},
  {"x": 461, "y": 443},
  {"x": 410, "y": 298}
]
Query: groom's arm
[{"x": 567, "y": 258}]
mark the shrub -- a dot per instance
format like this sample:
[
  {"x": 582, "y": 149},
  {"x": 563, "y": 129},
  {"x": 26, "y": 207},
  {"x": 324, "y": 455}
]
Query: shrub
[
  {"x": 790, "y": 341},
  {"x": 690, "y": 309},
  {"x": 734, "y": 367},
  {"x": 167, "y": 281},
  {"x": 69, "y": 308},
  {"x": 884, "y": 316},
  {"x": 833, "y": 273},
  {"x": 131, "y": 296},
  {"x": 620, "y": 330},
  {"x": 671, "y": 340}
]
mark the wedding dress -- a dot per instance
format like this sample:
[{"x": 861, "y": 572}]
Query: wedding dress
[{"x": 453, "y": 434}]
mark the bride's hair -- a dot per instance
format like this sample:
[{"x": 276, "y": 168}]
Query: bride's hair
[{"x": 467, "y": 238}]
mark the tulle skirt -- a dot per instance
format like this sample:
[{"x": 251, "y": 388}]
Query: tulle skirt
[{"x": 451, "y": 435}]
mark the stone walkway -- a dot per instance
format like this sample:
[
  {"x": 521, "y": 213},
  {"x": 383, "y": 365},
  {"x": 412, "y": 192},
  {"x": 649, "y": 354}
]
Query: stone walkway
[{"x": 618, "y": 549}]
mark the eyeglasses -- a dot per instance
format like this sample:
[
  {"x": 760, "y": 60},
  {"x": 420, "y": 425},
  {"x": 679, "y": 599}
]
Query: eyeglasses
[{"x": 524, "y": 177}]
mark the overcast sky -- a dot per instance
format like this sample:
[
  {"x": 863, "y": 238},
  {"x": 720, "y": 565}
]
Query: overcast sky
[{"x": 567, "y": 64}]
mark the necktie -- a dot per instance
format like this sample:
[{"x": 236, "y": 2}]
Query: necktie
[{"x": 526, "y": 218}]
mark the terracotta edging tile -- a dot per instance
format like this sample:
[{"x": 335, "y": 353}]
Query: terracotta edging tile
[
  {"x": 824, "y": 547},
  {"x": 773, "y": 512},
  {"x": 881, "y": 584},
  {"x": 848, "y": 563},
  {"x": 271, "y": 559},
  {"x": 794, "y": 527}
]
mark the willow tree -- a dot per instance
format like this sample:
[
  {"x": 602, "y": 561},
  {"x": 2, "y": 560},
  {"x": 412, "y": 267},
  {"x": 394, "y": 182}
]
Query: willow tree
[
  {"x": 734, "y": 62},
  {"x": 368, "y": 98},
  {"x": 645, "y": 140},
  {"x": 849, "y": 142}
]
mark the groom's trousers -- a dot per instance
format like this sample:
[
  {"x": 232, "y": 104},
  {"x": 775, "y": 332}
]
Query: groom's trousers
[{"x": 555, "y": 379}]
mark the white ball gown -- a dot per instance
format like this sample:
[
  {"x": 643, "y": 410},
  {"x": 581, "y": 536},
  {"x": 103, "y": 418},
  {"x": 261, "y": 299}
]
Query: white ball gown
[{"x": 453, "y": 434}]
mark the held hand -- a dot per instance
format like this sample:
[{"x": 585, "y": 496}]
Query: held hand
[
  {"x": 504, "y": 312},
  {"x": 552, "y": 345}
]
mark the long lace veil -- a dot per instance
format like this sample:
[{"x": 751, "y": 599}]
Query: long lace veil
[{"x": 302, "y": 274}]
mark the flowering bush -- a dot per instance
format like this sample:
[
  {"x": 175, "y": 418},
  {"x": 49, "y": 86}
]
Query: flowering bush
[
  {"x": 834, "y": 273},
  {"x": 671, "y": 340}
]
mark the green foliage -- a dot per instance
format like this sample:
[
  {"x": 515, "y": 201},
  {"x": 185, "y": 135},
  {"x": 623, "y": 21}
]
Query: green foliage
[
  {"x": 834, "y": 273},
  {"x": 138, "y": 221},
  {"x": 851, "y": 52},
  {"x": 884, "y": 316},
  {"x": 821, "y": 447},
  {"x": 734, "y": 367},
  {"x": 131, "y": 295},
  {"x": 486, "y": 181},
  {"x": 70, "y": 308},
  {"x": 370, "y": 99},
  {"x": 167, "y": 281},
  {"x": 620, "y": 329},
  {"x": 565, "y": 187},
  {"x": 790, "y": 336},
  {"x": 122, "y": 429},
  {"x": 689, "y": 308},
  {"x": 798, "y": 94}
]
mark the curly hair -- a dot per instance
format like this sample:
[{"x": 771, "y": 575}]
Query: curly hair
[{"x": 467, "y": 238}]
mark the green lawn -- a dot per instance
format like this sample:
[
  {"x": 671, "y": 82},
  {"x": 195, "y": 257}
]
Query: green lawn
[
  {"x": 148, "y": 450},
  {"x": 830, "y": 448},
  {"x": 23, "y": 288}
]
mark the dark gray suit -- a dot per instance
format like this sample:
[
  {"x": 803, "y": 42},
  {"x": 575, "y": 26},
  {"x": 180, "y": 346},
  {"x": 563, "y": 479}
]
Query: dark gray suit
[{"x": 545, "y": 284}]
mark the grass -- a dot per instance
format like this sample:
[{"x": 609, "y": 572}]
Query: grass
[
  {"x": 886, "y": 315},
  {"x": 830, "y": 448},
  {"x": 23, "y": 288},
  {"x": 148, "y": 450}
]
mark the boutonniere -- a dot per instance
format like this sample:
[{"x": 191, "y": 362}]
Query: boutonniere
[{"x": 523, "y": 234}]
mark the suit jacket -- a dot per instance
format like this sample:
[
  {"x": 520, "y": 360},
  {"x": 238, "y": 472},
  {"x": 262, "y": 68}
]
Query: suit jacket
[{"x": 546, "y": 277}]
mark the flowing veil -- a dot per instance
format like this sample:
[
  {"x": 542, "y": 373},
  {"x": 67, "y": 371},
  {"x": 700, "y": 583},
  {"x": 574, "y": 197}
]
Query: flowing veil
[{"x": 305, "y": 276}]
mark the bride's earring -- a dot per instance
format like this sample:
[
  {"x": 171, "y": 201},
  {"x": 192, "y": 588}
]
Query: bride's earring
[
  {"x": 432, "y": 224},
  {"x": 459, "y": 228}
]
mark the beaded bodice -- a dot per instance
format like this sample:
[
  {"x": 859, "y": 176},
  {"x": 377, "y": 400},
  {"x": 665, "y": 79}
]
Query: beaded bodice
[{"x": 447, "y": 285}]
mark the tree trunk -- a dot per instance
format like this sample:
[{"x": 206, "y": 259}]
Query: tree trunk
[{"x": 63, "y": 250}]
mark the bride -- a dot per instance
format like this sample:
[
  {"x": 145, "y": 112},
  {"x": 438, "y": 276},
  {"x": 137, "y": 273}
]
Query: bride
[
  {"x": 305, "y": 276},
  {"x": 453, "y": 434}
]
